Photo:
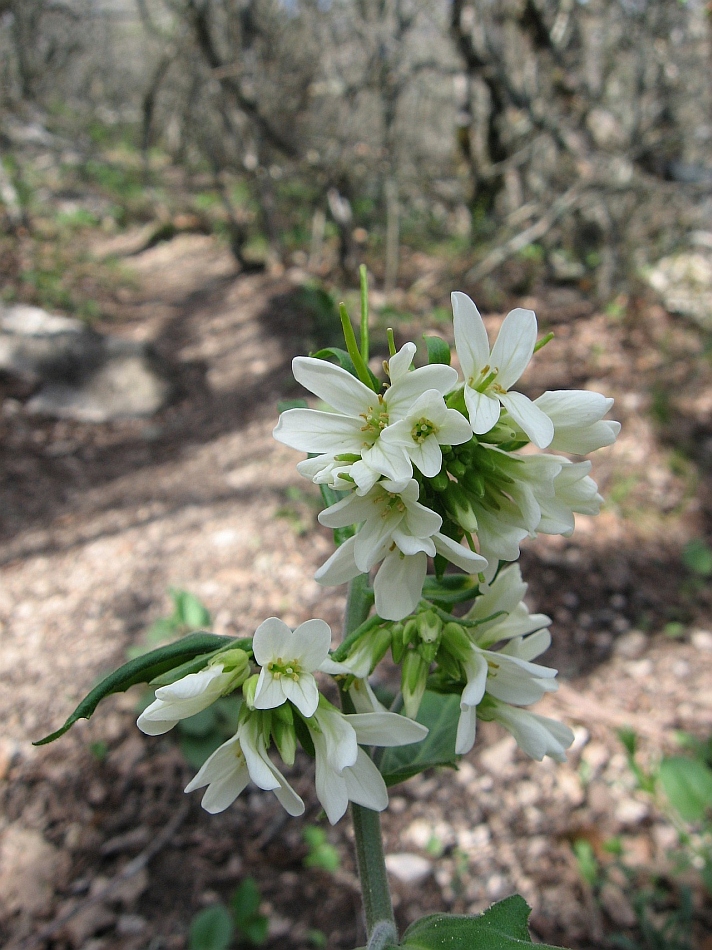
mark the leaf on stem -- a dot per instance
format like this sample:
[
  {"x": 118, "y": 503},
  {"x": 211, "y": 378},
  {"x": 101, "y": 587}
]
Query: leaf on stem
[
  {"x": 440, "y": 714},
  {"x": 142, "y": 670}
]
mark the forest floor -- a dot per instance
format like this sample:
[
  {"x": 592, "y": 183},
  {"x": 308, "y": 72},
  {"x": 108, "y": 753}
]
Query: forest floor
[{"x": 99, "y": 847}]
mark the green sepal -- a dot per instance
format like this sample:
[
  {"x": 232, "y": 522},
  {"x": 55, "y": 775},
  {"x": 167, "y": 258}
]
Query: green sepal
[
  {"x": 142, "y": 670},
  {"x": 197, "y": 663},
  {"x": 440, "y": 714},
  {"x": 302, "y": 733},
  {"x": 438, "y": 350},
  {"x": 361, "y": 369},
  {"x": 503, "y": 926}
]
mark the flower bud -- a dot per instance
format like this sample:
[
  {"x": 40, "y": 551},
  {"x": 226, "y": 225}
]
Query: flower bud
[
  {"x": 440, "y": 481},
  {"x": 249, "y": 687},
  {"x": 397, "y": 644},
  {"x": 414, "y": 675},
  {"x": 429, "y": 626},
  {"x": 474, "y": 482},
  {"x": 284, "y": 736},
  {"x": 237, "y": 663},
  {"x": 456, "y": 641},
  {"x": 459, "y": 507}
]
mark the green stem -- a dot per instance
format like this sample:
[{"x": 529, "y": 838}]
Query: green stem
[{"x": 370, "y": 858}]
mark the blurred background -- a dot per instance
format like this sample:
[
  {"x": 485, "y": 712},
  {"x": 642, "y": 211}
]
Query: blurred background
[{"x": 187, "y": 190}]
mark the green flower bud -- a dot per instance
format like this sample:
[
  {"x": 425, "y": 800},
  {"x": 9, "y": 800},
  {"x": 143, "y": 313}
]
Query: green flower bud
[
  {"x": 284, "y": 738},
  {"x": 459, "y": 507},
  {"x": 235, "y": 662},
  {"x": 440, "y": 481},
  {"x": 248, "y": 690},
  {"x": 429, "y": 626},
  {"x": 456, "y": 468},
  {"x": 414, "y": 675},
  {"x": 397, "y": 644},
  {"x": 474, "y": 482},
  {"x": 428, "y": 651},
  {"x": 456, "y": 641}
]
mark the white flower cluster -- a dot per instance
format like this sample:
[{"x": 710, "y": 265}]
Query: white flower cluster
[
  {"x": 284, "y": 687},
  {"x": 432, "y": 461}
]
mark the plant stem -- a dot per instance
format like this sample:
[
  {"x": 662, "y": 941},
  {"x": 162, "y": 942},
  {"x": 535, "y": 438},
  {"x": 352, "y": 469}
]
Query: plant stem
[{"x": 370, "y": 858}]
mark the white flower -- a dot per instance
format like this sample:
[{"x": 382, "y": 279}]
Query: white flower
[
  {"x": 428, "y": 425},
  {"x": 353, "y": 430},
  {"x": 230, "y": 768},
  {"x": 489, "y": 375},
  {"x": 507, "y": 675},
  {"x": 574, "y": 491},
  {"x": 344, "y": 772},
  {"x": 390, "y": 512},
  {"x": 190, "y": 695},
  {"x": 503, "y": 602},
  {"x": 536, "y": 735},
  {"x": 579, "y": 426},
  {"x": 288, "y": 660}
]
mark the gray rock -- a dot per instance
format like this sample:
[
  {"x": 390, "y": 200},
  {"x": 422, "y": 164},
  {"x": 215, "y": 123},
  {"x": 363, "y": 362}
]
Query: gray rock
[
  {"x": 78, "y": 373},
  {"x": 684, "y": 282}
]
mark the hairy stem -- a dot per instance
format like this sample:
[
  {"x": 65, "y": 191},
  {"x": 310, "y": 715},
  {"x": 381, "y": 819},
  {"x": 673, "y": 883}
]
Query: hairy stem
[{"x": 370, "y": 858}]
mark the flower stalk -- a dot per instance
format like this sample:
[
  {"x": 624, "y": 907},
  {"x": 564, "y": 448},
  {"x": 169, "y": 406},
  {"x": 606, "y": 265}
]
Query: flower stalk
[{"x": 370, "y": 857}]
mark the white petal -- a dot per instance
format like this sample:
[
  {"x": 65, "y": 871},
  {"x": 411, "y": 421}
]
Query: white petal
[
  {"x": 336, "y": 386},
  {"x": 272, "y": 638},
  {"x": 330, "y": 787},
  {"x": 399, "y": 363},
  {"x": 223, "y": 792},
  {"x": 582, "y": 441},
  {"x": 514, "y": 346},
  {"x": 537, "y": 425},
  {"x": 364, "y": 476},
  {"x": 420, "y": 521},
  {"x": 310, "y": 430},
  {"x": 408, "y": 544},
  {"x": 310, "y": 643},
  {"x": 536, "y": 735},
  {"x": 191, "y": 686},
  {"x": 470, "y": 335},
  {"x": 400, "y": 397},
  {"x": 389, "y": 460},
  {"x": 530, "y": 647},
  {"x": 287, "y": 797},
  {"x": 476, "y": 671},
  {"x": 459, "y": 555},
  {"x": 427, "y": 456},
  {"x": 351, "y": 510},
  {"x": 399, "y": 585},
  {"x": 340, "y": 567},
  {"x": 466, "y": 729},
  {"x": 386, "y": 729},
  {"x": 302, "y": 692},
  {"x": 573, "y": 407},
  {"x": 454, "y": 429},
  {"x": 155, "y": 727},
  {"x": 482, "y": 408},
  {"x": 339, "y": 737},
  {"x": 269, "y": 692},
  {"x": 365, "y": 785}
]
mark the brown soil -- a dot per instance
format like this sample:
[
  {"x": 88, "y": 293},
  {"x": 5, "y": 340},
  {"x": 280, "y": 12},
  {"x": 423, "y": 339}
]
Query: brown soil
[{"x": 98, "y": 521}]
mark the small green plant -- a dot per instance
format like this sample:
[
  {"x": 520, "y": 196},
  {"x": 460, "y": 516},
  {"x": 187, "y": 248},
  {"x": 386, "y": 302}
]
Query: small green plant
[
  {"x": 697, "y": 558},
  {"x": 216, "y": 927},
  {"x": 189, "y": 614},
  {"x": 321, "y": 853}
]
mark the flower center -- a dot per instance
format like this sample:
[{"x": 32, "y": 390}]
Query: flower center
[
  {"x": 391, "y": 504},
  {"x": 289, "y": 668},
  {"x": 422, "y": 429},
  {"x": 486, "y": 376},
  {"x": 376, "y": 420}
]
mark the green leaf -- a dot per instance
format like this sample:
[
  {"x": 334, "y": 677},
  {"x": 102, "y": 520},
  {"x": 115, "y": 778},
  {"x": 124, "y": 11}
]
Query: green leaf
[
  {"x": 440, "y": 714},
  {"x": 284, "y": 404},
  {"x": 211, "y": 929},
  {"x": 502, "y": 927},
  {"x": 438, "y": 350},
  {"x": 688, "y": 786},
  {"x": 246, "y": 901},
  {"x": 143, "y": 669},
  {"x": 189, "y": 610},
  {"x": 341, "y": 357},
  {"x": 198, "y": 662},
  {"x": 196, "y": 750},
  {"x": 697, "y": 557}
]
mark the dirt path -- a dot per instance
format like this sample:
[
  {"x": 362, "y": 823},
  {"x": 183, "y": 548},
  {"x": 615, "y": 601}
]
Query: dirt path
[{"x": 99, "y": 521}]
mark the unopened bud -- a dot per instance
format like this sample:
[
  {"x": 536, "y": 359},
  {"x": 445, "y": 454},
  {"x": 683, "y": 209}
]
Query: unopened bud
[
  {"x": 459, "y": 507},
  {"x": 456, "y": 641},
  {"x": 249, "y": 688},
  {"x": 237, "y": 663},
  {"x": 397, "y": 645},
  {"x": 440, "y": 481},
  {"x": 285, "y": 739},
  {"x": 429, "y": 626},
  {"x": 414, "y": 675}
]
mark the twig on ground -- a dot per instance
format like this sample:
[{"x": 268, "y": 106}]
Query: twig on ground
[{"x": 128, "y": 871}]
